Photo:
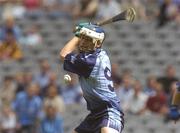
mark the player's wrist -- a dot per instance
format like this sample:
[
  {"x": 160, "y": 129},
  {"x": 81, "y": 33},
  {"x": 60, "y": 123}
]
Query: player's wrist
[
  {"x": 77, "y": 34},
  {"x": 77, "y": 30}
]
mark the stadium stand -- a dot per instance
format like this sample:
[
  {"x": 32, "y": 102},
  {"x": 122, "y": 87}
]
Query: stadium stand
[{"x": 140, "y": 47}]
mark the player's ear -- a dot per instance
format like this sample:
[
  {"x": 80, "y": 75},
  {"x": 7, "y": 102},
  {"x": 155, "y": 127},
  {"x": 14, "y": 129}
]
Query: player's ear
[{"x": 98, "y": 44}]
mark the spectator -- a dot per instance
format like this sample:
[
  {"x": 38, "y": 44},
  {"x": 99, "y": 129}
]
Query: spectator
[
  {"x": 53, "y": 97},
  {"x": 53, "y": 82},
  {"x": 175, "y": 11},
  {"x": 33, "y": 37},
  {"x": 151, "y": 83},
  {"x": 111, "y": 6},
  {"x": 20, "y": 85},
  {"x": 158, "y": 103},
  {"x": 172, "y": 92},
  {"x": 86, "y": 8},
  {"x": 138, "y": 100},
  {"x": 13, "y": 8},
  {"x": 28, "y": 78},
  {"x": 178, "y": 19},
  {"x": 117, "y": 82},
  {"x": 115, "y": 73},
  {"x": 52, "y": 8},
  {"x": 127, "y": 72},
  {"x": 32, "y": 4},
  {"x": 8, "y": 89},
  {"x": 177, "y": 2},
  {"x": 9, "y": 25},
  {"x": 33, "y": 8},
  {"x": 52, "y": 122},
  {"x": 27, "y": 106},
  {"x": 7, "y": 120},
  {"x": 9, "y": 49},
  {"x": 72, "y": 92},
  {"x": 168, "y": 78},
  {"x": 152, "y": 8},
  {"x": 125, "y": 91},
  {"x": 67, "y": 6},
  {"x": 168, "y": 11},
  {"x": 42, "y": 78},
  {"x": 50, "y": 4}
]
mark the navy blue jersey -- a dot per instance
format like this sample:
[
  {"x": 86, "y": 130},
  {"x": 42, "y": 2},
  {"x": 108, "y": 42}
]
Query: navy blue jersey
[
  {"x": 178, "y": 86},
  {"x": 94, "y": 70}
]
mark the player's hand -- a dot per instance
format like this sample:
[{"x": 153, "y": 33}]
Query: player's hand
[
  {"x": 77, "y": 30},
  {"x": 174, "y": 113}
]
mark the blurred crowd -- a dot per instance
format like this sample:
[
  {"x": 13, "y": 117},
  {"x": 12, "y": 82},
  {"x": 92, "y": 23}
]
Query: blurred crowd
[
  {"x": 31, "y": 103},
  {"x": 153, "y": 96},
  {"x": 36, "y": 103}
]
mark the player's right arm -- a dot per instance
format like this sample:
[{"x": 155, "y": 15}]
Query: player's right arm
[
  {"x": 81, "y": 64},
  {"x": 69, "y": 47},
  {"x": 73, "y": 43},
  {"x": 77, "y": 63}
]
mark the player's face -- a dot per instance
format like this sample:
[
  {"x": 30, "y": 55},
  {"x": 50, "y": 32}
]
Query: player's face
[{"x": 86, "y": 44}]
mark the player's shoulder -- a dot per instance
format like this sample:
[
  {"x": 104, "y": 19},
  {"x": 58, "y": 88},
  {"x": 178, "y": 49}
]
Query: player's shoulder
[
  {"x": 102, "y": 52},
  {"x": 93, "y": 56}
]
